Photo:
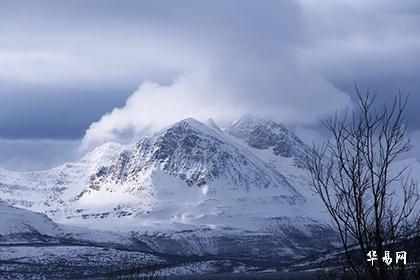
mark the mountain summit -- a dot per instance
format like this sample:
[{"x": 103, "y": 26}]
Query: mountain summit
[
  {"x": 264, "y": 134},
  {"x": 247, "y": 178}
]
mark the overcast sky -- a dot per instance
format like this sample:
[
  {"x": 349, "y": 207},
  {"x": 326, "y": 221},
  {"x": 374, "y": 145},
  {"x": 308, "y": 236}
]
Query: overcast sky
[{"x": 66, "y": 65}]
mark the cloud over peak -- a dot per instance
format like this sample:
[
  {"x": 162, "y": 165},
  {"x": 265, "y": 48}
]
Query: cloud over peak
[{"x": 154, "y": 106}]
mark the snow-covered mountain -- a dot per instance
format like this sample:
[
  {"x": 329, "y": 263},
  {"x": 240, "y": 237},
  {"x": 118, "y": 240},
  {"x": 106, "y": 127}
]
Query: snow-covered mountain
[{"x": 201, "y": 184}]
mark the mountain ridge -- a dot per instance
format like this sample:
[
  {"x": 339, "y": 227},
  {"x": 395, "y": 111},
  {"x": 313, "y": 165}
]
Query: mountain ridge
[
  {"x": 188, "y": 150},
  {"x": 189, "y": 177}
]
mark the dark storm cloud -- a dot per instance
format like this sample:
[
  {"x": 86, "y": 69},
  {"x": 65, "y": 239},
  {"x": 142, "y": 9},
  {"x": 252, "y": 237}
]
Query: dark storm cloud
[
  {"x": 64, "y": 64},
  {"x": 44, "y": 112},
  {"x": 375, "y": 43}
]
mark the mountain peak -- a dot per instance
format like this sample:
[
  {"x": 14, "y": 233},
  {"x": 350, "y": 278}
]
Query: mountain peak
[
  {"x": 199, "y": 155},
  {"x": 249, "y": 118},
  {"x": 189, "y": 122},
  {"x": 264, "y": 134},
  {"x": 103, "y": 152},
  {"x": 190, "y": 125},
  {"x": 250, "y": 121}
]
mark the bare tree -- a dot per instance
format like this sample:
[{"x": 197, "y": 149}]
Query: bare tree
[{"x": 371, "y": 202}]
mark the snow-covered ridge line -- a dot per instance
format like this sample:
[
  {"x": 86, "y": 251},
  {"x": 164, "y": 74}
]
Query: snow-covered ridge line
[
  {"x": 192, "y": 185},
  {"x": 189, "y": 174}
]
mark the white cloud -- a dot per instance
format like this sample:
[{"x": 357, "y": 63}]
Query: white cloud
[
  {"x": 200, "y": 95},
  {"x": 153, "y": 106}
]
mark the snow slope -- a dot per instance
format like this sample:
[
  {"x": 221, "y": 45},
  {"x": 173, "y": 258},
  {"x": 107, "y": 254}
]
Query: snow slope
[
  {"x": 21, "y": 226},
  {"x": 49, "y": 190}
]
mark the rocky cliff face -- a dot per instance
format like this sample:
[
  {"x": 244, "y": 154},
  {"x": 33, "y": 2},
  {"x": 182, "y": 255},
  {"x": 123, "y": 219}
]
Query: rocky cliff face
[{"x": 264, "y": 134}]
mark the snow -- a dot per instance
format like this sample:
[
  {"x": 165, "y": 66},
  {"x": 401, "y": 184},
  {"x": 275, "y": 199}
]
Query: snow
[
  {"x": 14, "y": 220},
  {"x": 45, "y": 191}
]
